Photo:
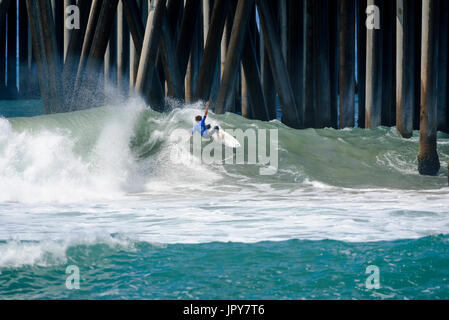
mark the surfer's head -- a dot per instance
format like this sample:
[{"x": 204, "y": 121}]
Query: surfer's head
[{"x": 198, "y": 118}]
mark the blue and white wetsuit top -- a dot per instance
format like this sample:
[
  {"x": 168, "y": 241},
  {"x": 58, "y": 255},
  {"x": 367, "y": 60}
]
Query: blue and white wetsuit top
[{"x": 201, "y": 128}]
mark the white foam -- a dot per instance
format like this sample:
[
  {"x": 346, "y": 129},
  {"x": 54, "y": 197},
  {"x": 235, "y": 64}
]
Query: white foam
[
  {"x": 43, "y": 166},
  {"x": 16, "y": 254},
  {"x": 241, "y": 214}
]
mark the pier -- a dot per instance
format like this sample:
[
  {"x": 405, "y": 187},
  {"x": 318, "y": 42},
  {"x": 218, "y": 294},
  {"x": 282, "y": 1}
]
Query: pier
[{"x": 318, "y": 63}]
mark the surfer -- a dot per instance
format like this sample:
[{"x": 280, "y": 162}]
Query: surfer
[
  {"x": 215, "y": 134},
  {"x": 201, "y": 126}
]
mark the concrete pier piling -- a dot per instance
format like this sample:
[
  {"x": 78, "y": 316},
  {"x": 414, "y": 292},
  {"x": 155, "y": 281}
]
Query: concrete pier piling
[
  {"x": 123, "y": 51},
  {"x": 374, "y": 69},
  {"x": 4, "y": 5},
  {"x": 67, "y": 31},
  {"x": 194, "y": 57},
  {"x": 428, "y": 160},
  {"x": 347, "y": 63},
  {"x": 361, "y": 61},
  {"x": 234, "y": 55},
  {"x": 334, "y": 62},
  {"x": 152, "y": 37},
  {"x": 170, "y": 60},
  {"x": 58, "y": 19},
  {"x": 388, "y": 63},
  {"x": 94, "y": 14},
  {"x": 322, "y": 75},
  {"x": 24, "y": 68},
  {"x": 133, "y": 18},
  {"x": 47, "y": 56},
  {"x": 11, "y": 64},
  {"x": 100, "y": 40},
  {"x": 297, "y": 52},
  {"x": 268, "y": 87},
  {"x": 290, "y": 115},
  {"x": 251, "y": 75},
  {"x": 74, "y": 52},
  {"x": 211, "y": 50},
  {"x": 110, "y": 58},
  {"x": 190, "y": 15},
  {"x": 443, "y": 67},
  {"x": 405, "y": 67}
]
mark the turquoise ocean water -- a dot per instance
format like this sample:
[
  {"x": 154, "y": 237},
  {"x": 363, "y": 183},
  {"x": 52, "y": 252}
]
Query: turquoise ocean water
[
  {"x": 98, "y": 190},
  {"x": 410, "y": 269}
]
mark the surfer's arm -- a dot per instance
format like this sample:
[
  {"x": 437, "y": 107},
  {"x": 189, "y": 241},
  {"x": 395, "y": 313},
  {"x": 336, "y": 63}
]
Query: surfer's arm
[{"x": 207, "y": 109}]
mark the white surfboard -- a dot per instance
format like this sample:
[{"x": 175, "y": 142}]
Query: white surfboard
[{"x": 225, "y": 138}]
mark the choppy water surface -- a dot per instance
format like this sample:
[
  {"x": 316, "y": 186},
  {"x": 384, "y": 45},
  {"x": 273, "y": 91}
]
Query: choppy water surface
[{"x": 98, "y": 189}]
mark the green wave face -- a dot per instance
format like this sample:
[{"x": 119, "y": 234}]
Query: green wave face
[{"x": 139, "y": 139}]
